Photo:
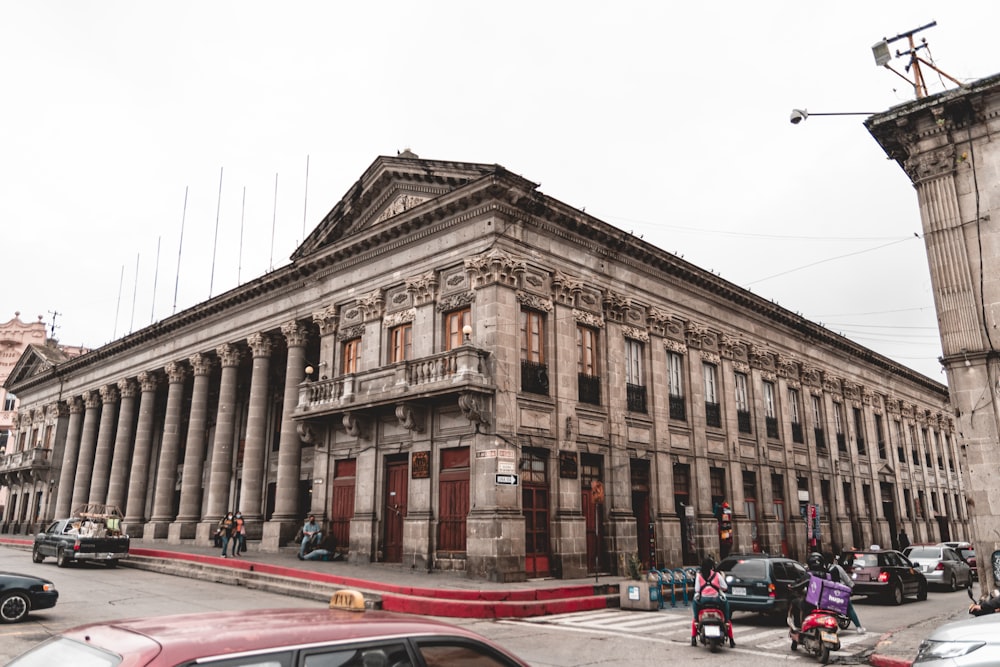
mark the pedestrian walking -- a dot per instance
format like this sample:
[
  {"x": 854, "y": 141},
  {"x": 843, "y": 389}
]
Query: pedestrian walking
[
  {"x": 239, "y": 534},
  {"x": 226, "y": 531},
  {"x": 903, "y": 539}
]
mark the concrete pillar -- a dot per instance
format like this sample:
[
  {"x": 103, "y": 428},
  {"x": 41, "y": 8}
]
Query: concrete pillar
[
  {"x": 70, "y": 454},
  {"x": 282, "y": 524},
  {"x": 222, "y": 451},
  {"x": 88, "y": 444},
  {"x": 121, "y": 456},
  {"x": 255, "y": 449},
  {"x": 166, "y": 472},
  {"x": 194, "y": 451},
  {"x": 135, "y": 507}
]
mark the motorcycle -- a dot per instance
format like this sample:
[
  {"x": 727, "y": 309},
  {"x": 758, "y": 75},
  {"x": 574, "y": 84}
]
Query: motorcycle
[
  {"x": 711, "y": 627},
  {"x": 819, "y": 633}
]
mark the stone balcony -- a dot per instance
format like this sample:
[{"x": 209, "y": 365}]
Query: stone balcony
[
  {"x": 35, "y": 458},
  {"x": 457, "y": 372}
]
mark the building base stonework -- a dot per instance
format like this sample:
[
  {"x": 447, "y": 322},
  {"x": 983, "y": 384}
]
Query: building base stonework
[{"x": 495, "y": 548}]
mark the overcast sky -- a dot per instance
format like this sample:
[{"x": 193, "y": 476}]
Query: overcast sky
[{"x": 667, "y": 119}]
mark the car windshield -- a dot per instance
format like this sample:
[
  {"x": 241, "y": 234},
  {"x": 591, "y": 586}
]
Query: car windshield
[
  {"x": 924, "y": 552},
  {"x": 865, "y": 560},
  {"x": 62, "y": 651},
  {"x": 967, "y": 553},
  {"x": 747, "y": 569}
]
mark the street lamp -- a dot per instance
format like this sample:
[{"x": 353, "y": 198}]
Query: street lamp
[{"x": 799, "y": 115}]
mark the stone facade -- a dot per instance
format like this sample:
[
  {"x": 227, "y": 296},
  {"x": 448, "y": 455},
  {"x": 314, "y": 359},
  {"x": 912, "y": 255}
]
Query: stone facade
[
  {"x": 457, "y": 371},
  {"x": 945, "y": 144}
]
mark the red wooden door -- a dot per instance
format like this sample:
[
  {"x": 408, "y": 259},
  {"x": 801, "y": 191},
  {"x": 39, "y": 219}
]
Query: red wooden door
[
  {"x": 535, "y": 506},
  {"x": 342, "y": 509},
  {"x": 397, "y": 471},
  {"x": 593, "y": 515}
]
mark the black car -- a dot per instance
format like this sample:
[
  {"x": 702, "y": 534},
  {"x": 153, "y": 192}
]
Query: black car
[
  {"x": 760, "y": 582},
  {"x": 884, "y": 574},
  {"x": 22, "y": 593}
]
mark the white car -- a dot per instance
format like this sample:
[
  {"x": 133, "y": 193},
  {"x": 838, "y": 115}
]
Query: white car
[
  {"x": 971, "y": 643},
  {"x": 941, "y": 566}
]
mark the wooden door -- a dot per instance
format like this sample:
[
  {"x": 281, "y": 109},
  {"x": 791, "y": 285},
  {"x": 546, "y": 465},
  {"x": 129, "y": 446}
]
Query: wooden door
[
  {"x": 535, "y": 506},
  {"x": 397, "y": 472},
  {"x": 342, "y": 508}
]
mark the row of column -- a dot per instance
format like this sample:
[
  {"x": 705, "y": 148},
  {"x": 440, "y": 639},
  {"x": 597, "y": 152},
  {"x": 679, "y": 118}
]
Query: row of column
[{"x": 97, "y": 467}]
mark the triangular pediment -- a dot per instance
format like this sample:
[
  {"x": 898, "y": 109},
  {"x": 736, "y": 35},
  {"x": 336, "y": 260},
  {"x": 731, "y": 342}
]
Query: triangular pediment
[
  {"x": 390, "y": 188},
  {"x": 35, "y": 360},
  {"x": 886, "y": 469}
]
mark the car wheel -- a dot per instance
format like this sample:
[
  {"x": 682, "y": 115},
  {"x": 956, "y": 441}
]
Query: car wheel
[
  {"x": 953, "y": 583},
  {"x": 61, "y": 559},
  {"x": 896, "y": 593},
  {"x": 36, "y": 556},
  {"x": 922, "y": 592},
  {"x": 14, "y": 607}
]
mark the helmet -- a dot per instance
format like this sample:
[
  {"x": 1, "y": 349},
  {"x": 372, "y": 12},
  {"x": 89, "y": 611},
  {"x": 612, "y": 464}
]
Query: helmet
[{"x": 815, "y": 562}]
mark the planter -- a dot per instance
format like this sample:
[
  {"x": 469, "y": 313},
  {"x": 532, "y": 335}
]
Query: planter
[{"x": 639, "y": 595}]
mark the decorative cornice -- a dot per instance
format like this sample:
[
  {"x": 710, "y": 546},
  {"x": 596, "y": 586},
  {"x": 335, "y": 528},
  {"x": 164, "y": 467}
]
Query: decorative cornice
[
  {"x": 565, "y": 288},
  {"x": 326, "y": 320},
  {"x": 393, "y": 320},
  {"x": 588, "y": 319},
  {"x": 455, "y": 301},
  {"x": 533, "y": 302},
  {"x": 372, "y": 305},
  {"x": 495, "y": 266},
  {"x": 635, "y": 333},
  {"x": 423, "y": 288},
  {"x": 350, "y": 333}
]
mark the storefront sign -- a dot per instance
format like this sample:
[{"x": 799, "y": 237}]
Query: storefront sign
[{"x": 421, "y": 462}]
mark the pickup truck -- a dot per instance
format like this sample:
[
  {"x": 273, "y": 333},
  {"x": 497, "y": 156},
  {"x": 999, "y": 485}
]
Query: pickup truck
[{"x": 85, "y": 536}]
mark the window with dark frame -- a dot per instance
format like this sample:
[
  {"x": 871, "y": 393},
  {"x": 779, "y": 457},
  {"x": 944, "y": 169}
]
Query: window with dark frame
[
  {"x": 770, "y": 411},
  {"x": 635, "y": 386},
  {"x": 675, "y": 378},
  {"x": 713, "y": 411},
  {"x": 534, "y": 369},
  {"x": 454, "y": 323},
  {"x": 351, "y": 356},
  {"x": 859, "y": 430},
  {"x": 588, "y": 375},
  {"x": 818, "y": 431},
  {"x": 794, "y": 415},
  {"x": 743, "y": 417},
  {"x": 401, "y": 342}
]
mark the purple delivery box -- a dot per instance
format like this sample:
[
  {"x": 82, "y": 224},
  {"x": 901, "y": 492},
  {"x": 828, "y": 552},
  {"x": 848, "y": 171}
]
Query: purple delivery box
[{"x": 826, "y": 594}]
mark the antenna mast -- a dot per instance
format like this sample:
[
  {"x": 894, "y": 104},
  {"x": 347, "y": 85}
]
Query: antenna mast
[
  {"x": 52, "y": 327},
  {"x": 883, "y": 57}
]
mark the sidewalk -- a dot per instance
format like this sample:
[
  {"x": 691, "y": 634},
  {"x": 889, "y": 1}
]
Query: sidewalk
[{"x": 898, "y": 648}]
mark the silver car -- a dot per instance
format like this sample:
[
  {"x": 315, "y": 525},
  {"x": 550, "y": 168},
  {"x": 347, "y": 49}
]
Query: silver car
[
  {"x": 942, "y": 566},
  {"x": 971, "y": 643}
]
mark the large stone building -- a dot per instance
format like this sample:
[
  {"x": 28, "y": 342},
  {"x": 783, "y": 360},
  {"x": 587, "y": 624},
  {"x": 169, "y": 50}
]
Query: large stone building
[
  {"x": 946, "y": 144},
  {"x": 458, "y": 371}
]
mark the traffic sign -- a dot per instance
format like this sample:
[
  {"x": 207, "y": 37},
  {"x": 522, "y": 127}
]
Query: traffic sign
[{"x": 507, "y": 480}]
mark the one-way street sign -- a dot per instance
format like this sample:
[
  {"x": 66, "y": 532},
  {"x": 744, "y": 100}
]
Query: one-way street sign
[{"x": 509, "y": 480}]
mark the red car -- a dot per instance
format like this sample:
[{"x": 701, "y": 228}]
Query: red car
[{"x": 272, "y": 637}]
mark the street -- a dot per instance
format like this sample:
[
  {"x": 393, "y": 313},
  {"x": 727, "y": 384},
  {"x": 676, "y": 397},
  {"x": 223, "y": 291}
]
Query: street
[{"x": 604, "y": 637}]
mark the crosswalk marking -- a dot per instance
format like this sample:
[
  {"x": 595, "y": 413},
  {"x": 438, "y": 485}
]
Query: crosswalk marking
[{"x": 673, "y": 627}]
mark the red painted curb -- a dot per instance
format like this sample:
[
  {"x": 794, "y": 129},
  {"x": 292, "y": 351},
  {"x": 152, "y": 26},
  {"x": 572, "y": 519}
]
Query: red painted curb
[
  {"x": 876, "y": 660},
  {"x": 486, "y": 609}
]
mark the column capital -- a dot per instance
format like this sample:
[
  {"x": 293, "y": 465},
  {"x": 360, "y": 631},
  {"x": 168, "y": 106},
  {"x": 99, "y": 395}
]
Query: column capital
[
  {"x": 201, "y": 363},
  {"x": 148, "y": 381},
  {"x": 56, "y": 410},
  {"x": 109, "y": 393},
  {"x": 92, "y": 399},
  {"x": 128, "y": 387},
  {"x": 326, "y": 320},
  {"x": 260, "y": 344},
  {"x": 295, "y": 333},
  {"x": 75, "y": 405},
  {"x": 229, "y": 354},
  {"x": 176, "y": 372}
]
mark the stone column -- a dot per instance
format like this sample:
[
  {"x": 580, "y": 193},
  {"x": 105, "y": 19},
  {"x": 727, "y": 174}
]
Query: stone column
[
  {"x": 222, "y": 451},
  {"x": 105, "y": 441},
  {"x": 66, "y": 474},
  {"x": 194, "y": 452},
  {"x": 166, "y": 473},
  {"x": 88, "y": 443},
  {"x": 123, "y": 443},
  {"x": 252, "y": 485},
  {"x": 282, "y": 524},
  {"x": 135, "y": 507}
]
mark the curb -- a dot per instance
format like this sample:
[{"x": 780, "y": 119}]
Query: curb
[{"x": 877, "y": 660}]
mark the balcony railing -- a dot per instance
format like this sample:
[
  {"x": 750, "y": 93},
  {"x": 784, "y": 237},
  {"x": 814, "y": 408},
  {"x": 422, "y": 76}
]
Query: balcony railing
[
  {"x": 820, "y": 436},
  {"x": 441, "y": 373},
  {"x": 713, "y": 414},
  {"x": 677, "y": 409},
  {"x": 37, "y": 457},
  {"x": 589, "y": 388},
  {"x": 743, "y": 421},
  {"x": 771, "y": 423},
  {"x": 797, "y": 433},
  {"x": 534, "y": 377},
  {"x": 636, "y": 397}
]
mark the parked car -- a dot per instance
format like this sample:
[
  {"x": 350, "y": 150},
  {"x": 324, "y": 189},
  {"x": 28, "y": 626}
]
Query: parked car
[
  {"x": 21, "y": 594},
  {"x": 269, "y": 637},
  {"x": 760, "y": 582},
  {"x": 967, "y": 643},
  {"x": 884, "y": 574},
  {"x": 942, "y": 566},
  {"x": 966, "y": 552}
]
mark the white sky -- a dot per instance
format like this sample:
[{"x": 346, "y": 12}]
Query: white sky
[{"x": 667, "y": 119}]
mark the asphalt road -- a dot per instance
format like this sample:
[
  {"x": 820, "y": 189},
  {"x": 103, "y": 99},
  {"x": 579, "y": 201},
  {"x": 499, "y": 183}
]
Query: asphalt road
[{"x": 604, "y": 638}]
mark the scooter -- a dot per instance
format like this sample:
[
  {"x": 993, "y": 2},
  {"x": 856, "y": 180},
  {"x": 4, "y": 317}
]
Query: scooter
[
  {"x": 711, "y": 627},
  {"x": 819, "y": 634}
]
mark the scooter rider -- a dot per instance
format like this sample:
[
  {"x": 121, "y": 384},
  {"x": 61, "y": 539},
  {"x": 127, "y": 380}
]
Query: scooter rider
[
  {"x": 709, "y": 583},
  {"x": 816, "y": 566}
]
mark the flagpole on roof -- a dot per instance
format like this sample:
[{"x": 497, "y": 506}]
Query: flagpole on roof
[
  {"x": 239, "y": 259},
  {"x": 215, "y": 243},
  {"x": 180, "y": 247},
  {"x": 274, "y": 218}
]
